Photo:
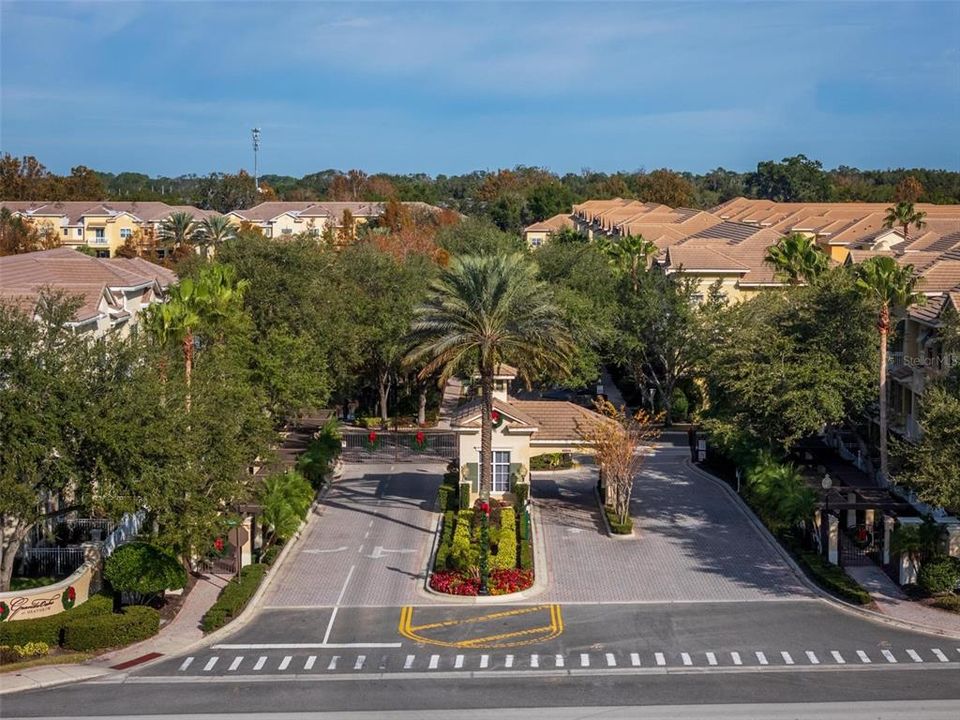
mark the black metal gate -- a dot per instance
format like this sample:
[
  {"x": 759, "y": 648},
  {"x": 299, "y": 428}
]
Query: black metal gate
[
  {"x": 381, "y": 446},
  {"x": 861, "y": 545}
]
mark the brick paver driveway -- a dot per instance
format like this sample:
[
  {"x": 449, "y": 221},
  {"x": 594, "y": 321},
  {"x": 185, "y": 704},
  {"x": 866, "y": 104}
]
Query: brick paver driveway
[
  {"x": 692, "y": 543},
  {"x": 369, "y": 546}
]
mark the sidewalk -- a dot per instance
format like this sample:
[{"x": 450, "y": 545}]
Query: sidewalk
[
  {"x": 452, "y": 392},
  {"x": 892, "y": 602},
  {"x": 173, "y": 638}
]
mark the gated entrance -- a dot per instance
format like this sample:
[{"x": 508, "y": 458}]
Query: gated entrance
[
  {"x": 381, "y": 446},
  {"x": 861, "y": 545}
]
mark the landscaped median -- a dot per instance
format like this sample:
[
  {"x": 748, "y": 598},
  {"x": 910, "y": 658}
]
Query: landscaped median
[{"x": 456, "y": 561}]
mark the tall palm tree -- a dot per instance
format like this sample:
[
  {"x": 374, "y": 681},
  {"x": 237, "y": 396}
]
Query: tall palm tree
[
  {"x": 892, "y": 288},
  {"x": 904, "y": 215},
  {"x": 630, "y": 255},
  {"x": 483, "y": 311},
  {"x": 797, "y": 259},
  {"x": 177, "y": 230},
  {"x": 213, "y": 232}
]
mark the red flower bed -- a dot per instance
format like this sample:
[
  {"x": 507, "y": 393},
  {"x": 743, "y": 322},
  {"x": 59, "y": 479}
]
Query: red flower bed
[{"x": 454, "y": 582}]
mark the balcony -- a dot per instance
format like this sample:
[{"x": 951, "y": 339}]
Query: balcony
[{"x": 894, "y": 359}]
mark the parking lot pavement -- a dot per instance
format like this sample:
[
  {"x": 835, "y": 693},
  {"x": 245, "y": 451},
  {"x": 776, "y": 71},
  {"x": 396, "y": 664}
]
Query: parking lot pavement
[
  {"x": 692, "y": 542},
  {"x": 369, "y": 546}
]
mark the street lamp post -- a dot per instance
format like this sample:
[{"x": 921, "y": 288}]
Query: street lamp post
[{"x": 826, "y": 483}]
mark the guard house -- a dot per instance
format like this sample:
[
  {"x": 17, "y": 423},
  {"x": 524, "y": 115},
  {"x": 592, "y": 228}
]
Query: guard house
[{"x": 521, "y": 429}]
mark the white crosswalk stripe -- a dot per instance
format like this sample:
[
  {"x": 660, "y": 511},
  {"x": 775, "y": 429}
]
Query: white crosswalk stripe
[
  {"x": 333, "y": 662},
  {"x": 508, "y": 661},
  {"x": 584, "y": 660},
  {"x": 186, "y": 663},
  {"x": 915, "y": 656},
  {"x": 210, "y": 663},
  {"x": 285, "y": 663},
  {"x": 261, "y": 661},
  {"x": 941, "y": 656},
  {"x": 534, "y": 661},
  {"x": 838, "y": 658},
  {"x": 711, "y": 659},
  {"x": 889, "y": 656},
  {"x": 236, "y": 663},
  {"x": 812, "y": 657},
  {"x": 434, "y": 662},
  {"x": 661, "y": 660},
  {"x": 358, "y": 665},
  {"x": 484, "y": 661},
  {"x": 458, "y": 662},
  {"x": 762, "y": 658},
  {"x": 308, "y": 665},
  {"x": 558, "y": 660},
  {"x": 611, "y": 660},
  {"x": 737, "y": 660},
  {"x": 408, "y": 663},
  {"x": 685, "y": 659},
  {"x": 864, "y": 658},
  {"x": 786, "y": 657},
  {"x": 634, "y": 659}
]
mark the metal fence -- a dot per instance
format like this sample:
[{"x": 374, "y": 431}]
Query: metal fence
[
  {"x": 47, "y": 561},
  {"x": 68, "y": 531},
  {"x": 398, "y": 446}
]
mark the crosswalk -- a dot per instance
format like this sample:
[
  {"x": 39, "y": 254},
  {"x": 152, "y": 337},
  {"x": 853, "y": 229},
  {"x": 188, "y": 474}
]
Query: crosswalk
[{"x": 570, "y": 662}]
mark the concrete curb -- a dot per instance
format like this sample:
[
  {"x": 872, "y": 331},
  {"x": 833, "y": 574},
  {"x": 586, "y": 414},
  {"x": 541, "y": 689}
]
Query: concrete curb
[
  {"x": 606, "y": 523},
  {"x": 243, "y": 619},
  {"x": 540, "y": 572},
  {"x": 822, "y": 594}
]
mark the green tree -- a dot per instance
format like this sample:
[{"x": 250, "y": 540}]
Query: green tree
[
  {"x": 143, "y": 571},
  {"x": 477, "y": 237},
  {"x": 891, "y": 288},
  {"x": 904, "y": 215},
  {"x": 665, "y": 187},
  {"x": 797, "y": 259},
  {"x": 285, "y": 498},
  {"x": 177, "y": 230},
  {"x": 213, "y": 232},
  {"x": 630, "y": 256},
  {"x": 932, "y": 464},
  {"x": 795, "y": 179}
]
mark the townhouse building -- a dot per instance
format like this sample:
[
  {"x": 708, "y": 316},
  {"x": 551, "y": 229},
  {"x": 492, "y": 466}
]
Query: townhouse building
[
  {"x": 112, "y": 291},
  {"x": 103, "y": 226}
]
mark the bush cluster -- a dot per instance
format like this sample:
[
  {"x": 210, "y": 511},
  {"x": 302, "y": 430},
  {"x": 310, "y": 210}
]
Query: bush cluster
[
  {"x": 463, "y": 553},
  {"x": 144, "y": 570},
  {"x": 948, "y": 602},
  {"x": 91, "y": 626},
  {"x": 506, "y": 557},
  {"x": 446, "y": 540},
  {"x": 463, "y": 496},
  {"x": 315, "y": 462},
  {"x": 551, "y": 461},
  {"x": 234, "y": 597},
  {"x": 832, "y": 577},
  {"x": 938, "y": 576}
]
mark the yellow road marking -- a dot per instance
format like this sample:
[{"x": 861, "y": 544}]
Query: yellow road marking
[{"x": 554, "y": 629}]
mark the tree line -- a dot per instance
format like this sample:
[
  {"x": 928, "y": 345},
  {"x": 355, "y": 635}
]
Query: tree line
[{"x": 510, "y": 198}]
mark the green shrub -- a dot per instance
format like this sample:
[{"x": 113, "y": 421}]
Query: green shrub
[
  {"x": 234, "y": 597},
  {"x": 109, "y": 630},
  {"x": 551, "y": 461},
  {"x": 521, "y": 491},
  {"x": 32, "y": 649},
  {"x": 938, "y": 576},
  {"x": 324, "y": 449},
  {"x": 680, "y": 406},
  {"x": 464, "y": 496},
  {"x": 617, "y": 527},
  {"x": 950, "y": 603},
  {"x": 446, "y": 539},
  {"x": 8, "y": 655},
  {"x": 143, "y": 570},
  {"x": 463, "y": 554},
  {"x": 286, "y": 499},
  {"x": 447, "y": 497},
  {"x": 526, "y": 555},
  {"x": 506, "y": 557},
  {"x": 270, "y": 554},
  {"x": 832, "y": 578},
  {"x": 49, "y": 630}
]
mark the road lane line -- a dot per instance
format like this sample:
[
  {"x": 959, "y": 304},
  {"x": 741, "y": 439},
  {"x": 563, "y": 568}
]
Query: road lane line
[
  {"x": 333, "y": 615},
  {"x": 210, "y": 663},
  {"x": 534, "y": 661},
  {"x": 358, "y": 665},
  {"x": 333, "y": 662},
  {"x": 236, "y": 663},
  {"x": 508, "y": 661},
  {"x": 458, "y": 662},
  {"x": 559, "y": 660},
  {"x": 761, "y": 658},
  {"x": 786, "y": 657},
  {"x": 711, "y": 659},
  {"x": 635, "y": 659},
  {"x": 611, "y": 660},
  {"x": 915, "y": 656},
  {"x": 889, "y": 656},
  {"x": 308, "y": 665},
  {"x": 737, "y": 660},
  {"x": 186, "y": 663},
  {"x": 261, "y": 661},
  {"x": 434, "y": 662},
  {"x": 408, "y": 663},
  {"x": 863, "y": 657},
  {"x": 302, "y": 646},
  {"x": 812, "y": 657},
  {"x": 584, "y": 660},
  {"x": 285, "y": 663},
  {"x": 838, "y": 657},
  {"x": 661, "y": 660},
  {"x": 484, "y": 662},
  {"x": 940, "y": 655},
  {"x": 685, "y": 658}
]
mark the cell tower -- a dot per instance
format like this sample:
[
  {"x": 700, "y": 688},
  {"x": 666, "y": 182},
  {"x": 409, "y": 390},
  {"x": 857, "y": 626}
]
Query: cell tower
[{"x": 256, "y": 157}]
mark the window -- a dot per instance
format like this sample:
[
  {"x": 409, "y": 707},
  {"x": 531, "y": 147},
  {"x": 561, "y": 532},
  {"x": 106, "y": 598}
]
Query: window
[
  {"x": 65, "y": 231},
  {"x": 79, "y": 232},
  {"x": 98, "y": 235},
  {"x": 535, "y": 242},
  {"x": 126, "y": 233},
  {"x": 501, "y": 470},
  {"x": 103, "y": 253},
  {"x": 286, "y": 231}
]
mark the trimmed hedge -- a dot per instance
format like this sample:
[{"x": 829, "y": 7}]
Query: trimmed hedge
[
  {"x": 617, "y": 527},
  {"x": 938, "y": 576},
  {"x": 950, "y": 603},
  {"x": 506, "y": 557},
  {"x": 234, "y": 597},
  {"x": 526, "y": 549},
  {"x": 144, "y": 569},
  {"x": 463, "y": 496},
  {"x": 463, "y": 554},
  {"x": 135, "y": 623},
  {"x": 832, "y": 578},
  {"x": 446, "y": 542},
  {"x": 551, "y": 461},
  {"x": 447, "y": 495},
  {"x": 50, "y": 629}
]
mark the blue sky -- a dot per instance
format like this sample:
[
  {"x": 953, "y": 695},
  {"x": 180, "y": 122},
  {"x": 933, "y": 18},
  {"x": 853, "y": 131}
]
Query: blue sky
[{"x": 174, "y": 87}]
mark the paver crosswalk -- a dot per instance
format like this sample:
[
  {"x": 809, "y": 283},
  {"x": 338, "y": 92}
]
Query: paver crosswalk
[{"x": 596, "y": 661}]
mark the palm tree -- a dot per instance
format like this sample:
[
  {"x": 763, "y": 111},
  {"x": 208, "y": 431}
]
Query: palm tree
[
  {"x": 797, "y": 259},
  {"x": 213, "y": 232},
  {"x": 483, "y": 311},
  {"x": 630, "y": 255},
  {"x": 892, "y": 287},
  {"x": 904, "y": 215},
  {"x": 177, "y": 229}
]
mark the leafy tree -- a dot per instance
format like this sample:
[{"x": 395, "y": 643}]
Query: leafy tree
[
  {"x": 904, "y": 215},
  {"x": 285, "y": 498},
  {"x": 548, "y": 199},
  {"x": 143, "y": 570},
  {"x": 891, "y": 288},
  {"x": 22, "y": 236},
  {"x": 797, "y": 259},
  {"x": 630, "y": 256},
  {"x": 213, "y": 232},
  {"x": 476, "y": 237},
  {"x": 665, "y": 187},
  {"x": 908, "y": 190},
  {"x": 795, "y": 179},
  {"x": 780, "y": 494},
  {"x": 932, "y": 464}
]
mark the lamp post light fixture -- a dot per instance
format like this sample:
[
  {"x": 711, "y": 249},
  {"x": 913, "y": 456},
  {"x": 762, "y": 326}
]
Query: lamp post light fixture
[{"x": 826, "y": 483}]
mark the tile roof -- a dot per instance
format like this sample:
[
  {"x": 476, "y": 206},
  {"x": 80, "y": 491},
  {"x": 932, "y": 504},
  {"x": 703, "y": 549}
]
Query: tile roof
[
  {"x": 693, "y": 258},
  {"x": 563, "y": 220},
  {"x": 267, "y": 211},
  {"x": 930, "y": 311},
  {"x": 468, "y": 415},
  {"x": 75, "y": 210},
  {"x": 557, "y": 420}
]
